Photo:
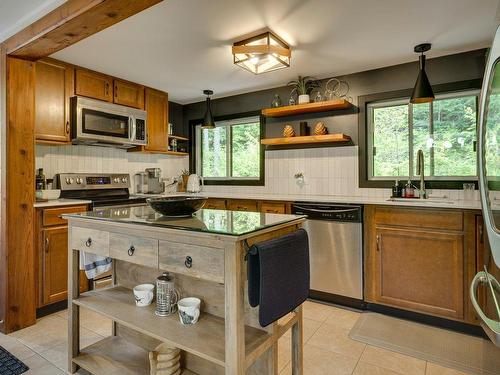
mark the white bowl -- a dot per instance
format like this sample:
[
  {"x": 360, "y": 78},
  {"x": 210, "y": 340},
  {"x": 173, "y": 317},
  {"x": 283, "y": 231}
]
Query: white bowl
[{"x": 48, "y": 194}]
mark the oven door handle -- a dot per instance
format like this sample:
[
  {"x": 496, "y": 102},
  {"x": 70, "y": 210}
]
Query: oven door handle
[{"x": 490, "y": 326}]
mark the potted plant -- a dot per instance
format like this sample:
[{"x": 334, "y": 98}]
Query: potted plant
[
  {"x": 183, "y": 182},
  {"x": 303, "y": 87}
]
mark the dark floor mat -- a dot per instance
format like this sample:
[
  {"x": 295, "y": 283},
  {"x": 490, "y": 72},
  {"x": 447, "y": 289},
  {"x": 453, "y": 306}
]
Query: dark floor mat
[{"x": 10, "y": 365}]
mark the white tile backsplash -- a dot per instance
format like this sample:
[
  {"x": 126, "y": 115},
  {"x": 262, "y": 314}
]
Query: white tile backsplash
[
  {"x": 329, "y": 171},
  {"x": 92, "y": 159}
]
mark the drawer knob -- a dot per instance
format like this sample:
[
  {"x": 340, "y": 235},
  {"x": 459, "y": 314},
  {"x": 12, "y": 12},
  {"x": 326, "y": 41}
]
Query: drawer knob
[
  {"x": 188, "y": 262},
  {"x": 131, "y": 250},
  {"x": 88, "y": 243}
]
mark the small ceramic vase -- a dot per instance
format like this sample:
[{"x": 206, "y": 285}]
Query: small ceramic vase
[
  {"x": 288, "y": 131},
  {"x": 320, "y": 129}
]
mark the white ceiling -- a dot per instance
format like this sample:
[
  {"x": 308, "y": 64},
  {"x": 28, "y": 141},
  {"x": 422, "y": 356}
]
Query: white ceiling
[
  {"x": 184, "y": 46},
  {"x": 15, "y": 15}
]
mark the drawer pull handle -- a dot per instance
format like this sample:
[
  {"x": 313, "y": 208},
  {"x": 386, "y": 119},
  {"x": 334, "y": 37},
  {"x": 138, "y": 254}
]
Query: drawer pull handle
[
  {"x": 131, "y": 250},
  {"x": 88, "y": 243},
  {"x": 188, "y": 262},
  {"x": 378, "y": 242}
]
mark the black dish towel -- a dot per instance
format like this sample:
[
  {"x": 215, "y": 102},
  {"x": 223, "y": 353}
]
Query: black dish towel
[{"x": 278, "y": 275}]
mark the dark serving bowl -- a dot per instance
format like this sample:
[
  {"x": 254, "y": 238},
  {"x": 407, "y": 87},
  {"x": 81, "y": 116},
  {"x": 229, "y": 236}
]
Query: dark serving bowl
[{"x": 179, "y": 206}]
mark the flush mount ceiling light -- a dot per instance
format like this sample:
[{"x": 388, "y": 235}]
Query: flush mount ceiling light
[
  {"x": 208, "y": 120},
  {"x": 422, "y": 92},
  {"x": 262, "y": 53}
]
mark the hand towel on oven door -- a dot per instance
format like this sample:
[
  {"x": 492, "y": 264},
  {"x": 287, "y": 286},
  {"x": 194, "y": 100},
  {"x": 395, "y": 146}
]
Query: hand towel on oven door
[{"x": 94, "y": 265}]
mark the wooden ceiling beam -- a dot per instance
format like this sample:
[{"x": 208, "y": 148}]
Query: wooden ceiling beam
[{"x": 68, "y": 24}]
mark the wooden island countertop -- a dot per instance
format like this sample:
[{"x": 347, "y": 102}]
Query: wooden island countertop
[{"x": 228, "y": 338}]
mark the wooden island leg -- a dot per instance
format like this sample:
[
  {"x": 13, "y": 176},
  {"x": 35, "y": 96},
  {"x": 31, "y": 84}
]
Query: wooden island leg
[
  {"x": 297, "y": 344},
  {"x": 73, "y": 310},
  {"x": 234, "y": 311}
]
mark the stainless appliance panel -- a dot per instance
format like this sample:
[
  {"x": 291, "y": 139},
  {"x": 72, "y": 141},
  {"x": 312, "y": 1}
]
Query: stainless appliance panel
[
  {"x": 336, "y": 257},
  {"x": 106, "y": 124}
]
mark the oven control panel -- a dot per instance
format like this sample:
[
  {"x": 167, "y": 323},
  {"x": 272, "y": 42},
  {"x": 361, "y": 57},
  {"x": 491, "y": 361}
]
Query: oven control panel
[{"x": 86, "y": 181}]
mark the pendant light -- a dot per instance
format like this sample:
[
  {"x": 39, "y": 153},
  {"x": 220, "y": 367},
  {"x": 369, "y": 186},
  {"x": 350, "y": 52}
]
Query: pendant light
[
  {"x": 422, "y": 92},
  {"x": 208, "y": 120}
]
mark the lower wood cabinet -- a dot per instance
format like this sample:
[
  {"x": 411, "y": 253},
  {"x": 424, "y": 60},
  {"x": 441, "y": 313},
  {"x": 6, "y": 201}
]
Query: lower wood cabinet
[
  {"x": 52, "y": 246},
  {"x": 242, "y": 205},
  {"x": 215, "y": 204},
  {"x": 419, "y": 265},
  {"x": 273, "y": 207}
]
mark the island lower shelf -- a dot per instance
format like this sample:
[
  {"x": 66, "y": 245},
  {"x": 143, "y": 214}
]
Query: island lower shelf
[{"x": 205, "y": 339}]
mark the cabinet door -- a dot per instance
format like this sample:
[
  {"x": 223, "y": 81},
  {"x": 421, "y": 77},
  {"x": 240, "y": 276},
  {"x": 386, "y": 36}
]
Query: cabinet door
[
  {"x": 128, "y": 93},
  {"x": 93, "y": 85},
  {"x": 242, "y": 205},
  {"x": 419, "y": 270},
  {"x": 53, "y": 88},
  {"x": 215, "y": 204},
  {"x": 157, "y": 120},
  {"x": 55, "y": 264},
  {"x": 273, "y": 207}
]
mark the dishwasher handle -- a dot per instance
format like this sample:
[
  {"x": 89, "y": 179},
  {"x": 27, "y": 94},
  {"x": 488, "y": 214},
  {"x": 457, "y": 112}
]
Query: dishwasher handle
[{"x": 325, "y": 211}]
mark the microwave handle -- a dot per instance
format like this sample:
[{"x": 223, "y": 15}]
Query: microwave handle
[{"x": 132, "y": 128}]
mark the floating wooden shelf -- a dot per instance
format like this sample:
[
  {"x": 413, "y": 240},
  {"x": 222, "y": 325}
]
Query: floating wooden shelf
[
  {"x": 178, "y": 137},
  {"x": 144, "y": 151},
  {"x": 291, "y": 110},
  {"x": 310, "y": 140},
  {"x": 206, "y": 339},
  {"x": 115, "y": 355}
]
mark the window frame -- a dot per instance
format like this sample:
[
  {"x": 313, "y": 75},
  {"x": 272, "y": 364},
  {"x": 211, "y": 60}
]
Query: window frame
[
  {"x": 366, "y": 180},
  {"x": 196, "y": 156}
]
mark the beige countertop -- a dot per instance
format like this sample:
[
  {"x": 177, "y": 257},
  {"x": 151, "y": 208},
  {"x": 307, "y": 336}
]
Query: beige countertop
[
  {"x": 431, "y": 202},
  {"x": 61, "y": 202}
]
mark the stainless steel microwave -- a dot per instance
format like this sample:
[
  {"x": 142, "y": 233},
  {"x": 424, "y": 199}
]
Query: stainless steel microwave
[{"x": 94, "y": 122}]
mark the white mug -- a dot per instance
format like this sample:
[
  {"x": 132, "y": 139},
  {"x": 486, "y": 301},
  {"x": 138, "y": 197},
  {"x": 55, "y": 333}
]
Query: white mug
[
  {"x": 143, "y": 294},
  {"x": 189, "y": 310}
]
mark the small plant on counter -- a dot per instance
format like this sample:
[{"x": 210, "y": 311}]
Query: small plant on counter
[{"x": 303, "y": 87}]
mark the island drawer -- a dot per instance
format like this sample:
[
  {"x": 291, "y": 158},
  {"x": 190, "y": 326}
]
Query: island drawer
[
  {"x": 196, "y": 261},
  {"x": 90, "y": 240},
  {"x": 137, "y": 250}
]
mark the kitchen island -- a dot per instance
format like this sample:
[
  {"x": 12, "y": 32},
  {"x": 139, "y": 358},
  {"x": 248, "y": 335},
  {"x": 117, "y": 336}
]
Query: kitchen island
[{"x": 206, "y": 255}]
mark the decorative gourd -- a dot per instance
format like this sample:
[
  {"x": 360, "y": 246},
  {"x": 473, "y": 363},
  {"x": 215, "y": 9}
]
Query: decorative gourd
[
  {"x": 288, "y": 131},
  {"x": 320, "y": 129},
  {"x": 165, "y": 360}
]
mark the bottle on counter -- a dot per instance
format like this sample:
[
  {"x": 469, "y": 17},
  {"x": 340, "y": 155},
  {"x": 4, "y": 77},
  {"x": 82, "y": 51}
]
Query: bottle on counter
[
  {"x": 409, "y": 190},
  {"x": 40, "y": 180},
  {"x": 396, "y": 190}
]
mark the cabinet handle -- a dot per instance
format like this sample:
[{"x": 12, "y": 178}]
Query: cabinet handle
[
  {"x": 67, "y": 127},
  {"x": 241, "y": 208},
  {"x": 131, "y": 250},
  {"x": 106, "y": 88},
  {"x": 47, "y": 241},
  {"x": 481, "y": 234},
  {"x": 378, "y": 242},
  {"x": 88, "y": 243},
  {"x": 116, "y": 91},
  {"x": 188, "y": 262}
]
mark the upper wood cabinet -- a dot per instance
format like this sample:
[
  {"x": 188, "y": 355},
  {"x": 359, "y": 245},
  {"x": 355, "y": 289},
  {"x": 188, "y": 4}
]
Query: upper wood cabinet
[
  {"x": 157, "y": 120},
  {"x": 93, "y": 85},
  {"x": 128, "y": 93},
  {"x": 417, "y": 267},
  {"x": 53, "y": 89}
]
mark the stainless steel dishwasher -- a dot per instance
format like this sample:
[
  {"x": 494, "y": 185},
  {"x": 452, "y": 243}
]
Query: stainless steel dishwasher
[{"x": 335, "y": 250}]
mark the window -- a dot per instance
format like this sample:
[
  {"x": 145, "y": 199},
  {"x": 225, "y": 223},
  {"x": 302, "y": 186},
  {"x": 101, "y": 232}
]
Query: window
[
  {"x": 445, "y": 130},
  {"x": 230, "y": 153}
]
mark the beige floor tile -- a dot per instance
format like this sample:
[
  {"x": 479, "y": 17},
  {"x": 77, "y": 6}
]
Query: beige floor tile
[
  {"x": 310, "y": 327},
  {"x": 15, "y": 347},
  {"x": 435, "y": 369},
  {"x": 40, "y": 366},
  {"x": 343, "y": 318},
  {"x": 397, "y": 362},
  {"x": 367, "y": 369},
  {"x": 321, "y": 362},
  {"x": 335, "y": 339},
  {"x": 316, "y": 311},
  {"x": 95, "y": 322},
  {"x": 58, "y": 356}
]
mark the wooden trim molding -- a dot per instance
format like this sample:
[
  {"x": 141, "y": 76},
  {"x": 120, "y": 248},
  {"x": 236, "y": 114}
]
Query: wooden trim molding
[
  {"x": 71, "y": 22},
  {"x": 3, "y": 157}
]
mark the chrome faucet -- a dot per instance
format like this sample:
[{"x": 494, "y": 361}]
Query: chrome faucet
[{"x": 420, "y": 170}]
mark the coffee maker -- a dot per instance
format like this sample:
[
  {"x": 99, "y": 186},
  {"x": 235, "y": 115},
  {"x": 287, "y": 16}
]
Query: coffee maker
[{"x": 153, "y": 181}]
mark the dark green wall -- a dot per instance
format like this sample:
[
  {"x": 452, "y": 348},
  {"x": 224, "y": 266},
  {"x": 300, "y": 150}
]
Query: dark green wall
[{"x": 451, "y": 68}]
